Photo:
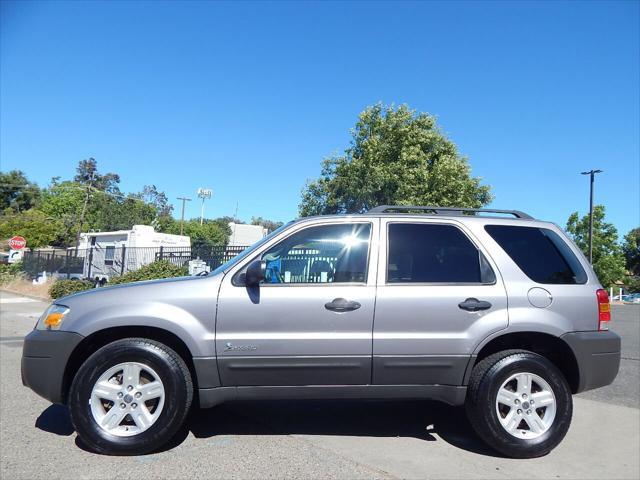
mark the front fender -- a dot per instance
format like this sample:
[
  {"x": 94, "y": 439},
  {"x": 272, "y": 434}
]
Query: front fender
[
  {"x": 198, "y": 336},
  {"x": 185, "y": 307}
]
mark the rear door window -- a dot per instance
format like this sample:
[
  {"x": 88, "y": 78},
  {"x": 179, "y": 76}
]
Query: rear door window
[
  {"x": 540, "y": 253},
  {"x": 434, "y": 253}
]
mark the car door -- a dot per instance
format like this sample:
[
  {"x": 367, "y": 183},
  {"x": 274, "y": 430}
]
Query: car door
[
  {"x": 438, "y": 295},
  {"x": 310, "y": 321}
]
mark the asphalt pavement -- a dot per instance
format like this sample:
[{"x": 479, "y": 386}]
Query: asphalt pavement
[{"x": 318, "y": 439}]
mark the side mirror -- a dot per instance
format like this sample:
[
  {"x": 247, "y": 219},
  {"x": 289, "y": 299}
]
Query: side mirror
[{"x": 255, "y": 273}]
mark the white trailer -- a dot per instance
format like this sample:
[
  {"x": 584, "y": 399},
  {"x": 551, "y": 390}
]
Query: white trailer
[{"x": 107, "y": 254}]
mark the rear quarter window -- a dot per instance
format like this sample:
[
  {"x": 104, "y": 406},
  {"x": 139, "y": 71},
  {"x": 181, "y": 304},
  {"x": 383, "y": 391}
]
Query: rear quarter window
[{"x": 540, "y": 253}]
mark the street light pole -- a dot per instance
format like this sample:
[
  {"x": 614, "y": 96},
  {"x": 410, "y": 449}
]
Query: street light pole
[
  {"x": 182, "y": 216},
  {"x": 203, "y": 193},
  {"x": 592, "y": 174}
]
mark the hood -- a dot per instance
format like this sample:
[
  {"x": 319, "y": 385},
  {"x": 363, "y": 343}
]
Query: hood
[{"x": 166, "y": 290}]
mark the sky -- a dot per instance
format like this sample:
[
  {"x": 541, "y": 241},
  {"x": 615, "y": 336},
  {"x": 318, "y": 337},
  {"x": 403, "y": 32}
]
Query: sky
[{"x": 248, "y": 98}]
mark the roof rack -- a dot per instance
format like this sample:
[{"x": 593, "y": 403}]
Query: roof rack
[{"x": 448, "y": 210}]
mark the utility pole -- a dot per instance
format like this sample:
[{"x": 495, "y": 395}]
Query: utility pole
[
  {"x": 182, "y": 216},
  {"x": 592, "y": 174},
  {"x": 203, "y": 193},
  {"x": 84, "y": 209},
  {"x": 235, "y": 224}
]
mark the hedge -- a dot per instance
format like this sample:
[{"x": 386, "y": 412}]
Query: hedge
[
  {"x": 10, "y": 272},
  {"x": 64, "y": 287},
  {"x": 151, "y": 271}
]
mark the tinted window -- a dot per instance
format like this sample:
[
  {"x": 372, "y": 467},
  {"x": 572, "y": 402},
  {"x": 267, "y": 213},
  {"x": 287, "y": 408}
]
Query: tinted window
[
  {"x": 420, "y": 253},
  {"x": 324, "y": 254},
  {"x": 540, "y": 253}
]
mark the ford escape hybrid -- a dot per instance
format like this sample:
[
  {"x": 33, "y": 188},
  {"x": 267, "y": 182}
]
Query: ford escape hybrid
[{"x": 487, "y": 308}]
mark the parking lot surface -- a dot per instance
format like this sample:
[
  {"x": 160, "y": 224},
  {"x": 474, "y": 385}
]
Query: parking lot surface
[{"x": 318, "y": 439}]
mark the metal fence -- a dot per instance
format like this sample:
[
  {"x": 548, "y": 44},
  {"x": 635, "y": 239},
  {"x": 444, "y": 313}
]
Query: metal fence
[
  {"x": 308, "y": 265},
  {"x": 111, "y": 261}
]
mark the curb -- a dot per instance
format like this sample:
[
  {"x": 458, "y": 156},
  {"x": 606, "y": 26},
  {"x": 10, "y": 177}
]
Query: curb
[{"x": 34, "y": 297}]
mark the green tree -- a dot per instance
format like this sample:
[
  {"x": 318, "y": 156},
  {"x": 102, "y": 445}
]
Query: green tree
[
  {"x": 631, "y": 250},
  {"x": 227, "y": 218},
  {"x": 270, "y": 225},
  {"x": 223, "y": 223},
  {"x": 63, "y": 201},
  {"x": 17, "y": 192},
  {"x": 109, "y": 213},
  {"x": 62, "y": 198},
  {"x": 396, "y": 157},
  {"x": 608, "y": 260},
  {"x": 87, "y": 174},
  {"x": 105, "y": 211},
  {"x": 35, "y": 226},
  {"x": 166, "y": 225},
  {"x": 151, "y": 195},
  {"x": 210, "y": 233}
]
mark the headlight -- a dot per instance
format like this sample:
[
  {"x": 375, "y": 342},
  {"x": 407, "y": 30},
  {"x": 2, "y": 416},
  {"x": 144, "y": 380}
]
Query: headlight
[{"x": 52, "y": 318}]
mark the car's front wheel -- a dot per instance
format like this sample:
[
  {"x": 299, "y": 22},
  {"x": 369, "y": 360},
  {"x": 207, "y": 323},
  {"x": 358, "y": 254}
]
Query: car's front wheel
[
  {"x": 130, "y": 397},
  {"x": 519, "y": 403}
]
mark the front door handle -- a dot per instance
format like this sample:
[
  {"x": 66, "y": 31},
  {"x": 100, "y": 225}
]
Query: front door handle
[
  {"x": 474, "y": 305},
  {"x": 342, "y": 305}
]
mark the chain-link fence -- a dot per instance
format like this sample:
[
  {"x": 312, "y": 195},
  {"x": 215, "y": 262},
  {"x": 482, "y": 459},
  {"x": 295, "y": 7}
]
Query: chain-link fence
[{"x": 111, "y": 261}]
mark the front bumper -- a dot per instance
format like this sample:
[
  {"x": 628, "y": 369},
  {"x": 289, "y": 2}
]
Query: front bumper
[
  {"x": 597, "y": 355},
  {"x": 44, "y": 358}
]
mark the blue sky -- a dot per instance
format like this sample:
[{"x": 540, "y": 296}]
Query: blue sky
[{"x": 248, "y": 98}]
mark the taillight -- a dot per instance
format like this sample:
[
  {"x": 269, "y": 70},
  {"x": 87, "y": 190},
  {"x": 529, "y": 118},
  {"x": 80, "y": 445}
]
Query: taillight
[{"x": 604, "y": 309}]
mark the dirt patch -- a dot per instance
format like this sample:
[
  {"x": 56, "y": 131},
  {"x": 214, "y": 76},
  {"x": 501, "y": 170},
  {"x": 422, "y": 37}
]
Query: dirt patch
[{"x": 26, "y": 287}]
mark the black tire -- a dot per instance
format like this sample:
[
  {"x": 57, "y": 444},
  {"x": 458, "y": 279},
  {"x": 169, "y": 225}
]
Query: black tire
[
  {"x": 175, "y": 377},
  {"x": 486, "y": 379}
]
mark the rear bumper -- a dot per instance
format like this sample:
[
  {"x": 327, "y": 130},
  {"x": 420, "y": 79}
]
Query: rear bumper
[
  {"x": 44, "y": 358},
  {"x": 597, "y": 355}
]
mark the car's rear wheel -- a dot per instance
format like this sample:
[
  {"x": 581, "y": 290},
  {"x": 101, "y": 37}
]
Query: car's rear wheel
[
  {"x": 519, "y": 403},
  {"x": 130, "y": 397}
]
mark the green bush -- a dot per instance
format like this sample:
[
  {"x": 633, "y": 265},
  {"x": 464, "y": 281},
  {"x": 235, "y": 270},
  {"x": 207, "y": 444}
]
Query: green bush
[
  {"x": 11, "y": 268},
  {"x": 632, "y": 285},
  {"x": 6, "y": 277},
  {"x": 10, "y": 272},
  {"x": 64, "y": 287},
  {"x": 152, "y": 271}
]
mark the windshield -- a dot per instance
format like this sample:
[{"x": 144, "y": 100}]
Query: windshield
[{"x": 246, "y": 252}]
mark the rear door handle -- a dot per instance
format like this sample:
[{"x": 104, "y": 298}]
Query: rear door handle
[
  {"x": 474, "y": 305},
  {"x": 342, "y": 305}
]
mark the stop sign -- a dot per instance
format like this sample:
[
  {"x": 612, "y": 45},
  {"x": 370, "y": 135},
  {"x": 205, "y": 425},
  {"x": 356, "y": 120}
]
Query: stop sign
[{"x": 17, "y": 242}]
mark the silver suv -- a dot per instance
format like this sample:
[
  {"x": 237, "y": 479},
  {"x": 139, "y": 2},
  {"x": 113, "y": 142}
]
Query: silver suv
[{"x": 487, "y": 308}]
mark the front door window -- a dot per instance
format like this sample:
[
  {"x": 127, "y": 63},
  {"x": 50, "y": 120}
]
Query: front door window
[{"x": 324, "y": 254}]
